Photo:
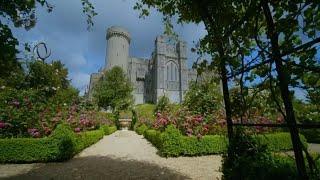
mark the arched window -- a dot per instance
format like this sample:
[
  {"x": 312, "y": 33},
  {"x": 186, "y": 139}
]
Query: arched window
[{"x": 172, "y": 71}]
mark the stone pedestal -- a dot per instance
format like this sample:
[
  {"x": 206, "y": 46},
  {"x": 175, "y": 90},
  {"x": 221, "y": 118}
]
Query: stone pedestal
[{"x": 125, "y": 123}]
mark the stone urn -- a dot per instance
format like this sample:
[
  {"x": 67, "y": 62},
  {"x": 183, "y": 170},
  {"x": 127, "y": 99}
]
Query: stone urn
[{"x": 125, "y": 123}]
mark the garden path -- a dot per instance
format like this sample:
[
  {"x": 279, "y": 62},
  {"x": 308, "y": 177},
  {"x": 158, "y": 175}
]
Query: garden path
[{"x": 121, "y": 155}]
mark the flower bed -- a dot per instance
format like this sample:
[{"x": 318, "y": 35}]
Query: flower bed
[
  {"x": 172, "y": 143},
  {"x": 63, "y": 144}
]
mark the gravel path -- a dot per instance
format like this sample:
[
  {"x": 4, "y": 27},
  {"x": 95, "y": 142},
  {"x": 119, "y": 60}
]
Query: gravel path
[
  {"x": 122, "y": 155},
  {"x": 314, "y": 147}
]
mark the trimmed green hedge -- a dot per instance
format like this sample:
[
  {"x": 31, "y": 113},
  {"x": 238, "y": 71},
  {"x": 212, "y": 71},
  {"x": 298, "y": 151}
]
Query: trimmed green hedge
[
  {"x": 154, "y": 137},
  {"x": 108, "y": 129},
  {"x": 172, "y": 143},
  {"x": 63, "y": 144},
  {"x": 279, "y": 141},
  {"x": 175, "y": 144}
]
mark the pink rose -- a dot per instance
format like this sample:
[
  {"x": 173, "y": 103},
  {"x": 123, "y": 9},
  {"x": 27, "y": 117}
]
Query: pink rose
[
  {"x": 77, "y": 129},
  {"x": 15, "y": 103},
  {"x": 36, "y": 134}
]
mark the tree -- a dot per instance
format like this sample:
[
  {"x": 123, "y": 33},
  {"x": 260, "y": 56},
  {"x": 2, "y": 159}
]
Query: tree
[
  {"x": 114, "y": 90},
  {"x": 203, "y": 97},
  {"x": 48, "y": 78},
  {"x": 22, "y": 14},
  {"x": 281, "y": 33}
]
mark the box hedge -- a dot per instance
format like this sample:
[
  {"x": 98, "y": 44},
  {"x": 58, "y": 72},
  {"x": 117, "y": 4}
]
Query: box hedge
[
  {"x": 63, "y": 144},
  {"x": 172, "y": 143},
  {"x": 154, "y": 137},
  {"x": 280, "y": 141},
  {"x": 108, "y": 129}
]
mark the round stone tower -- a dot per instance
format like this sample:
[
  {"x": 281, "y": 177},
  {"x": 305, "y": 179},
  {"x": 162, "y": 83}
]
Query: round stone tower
[{"x": 118, "y": 41}]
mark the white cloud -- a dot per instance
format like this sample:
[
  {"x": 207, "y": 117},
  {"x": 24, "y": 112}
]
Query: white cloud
[{"x": 80, "y": 81}]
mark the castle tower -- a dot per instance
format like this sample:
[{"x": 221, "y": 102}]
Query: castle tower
[{"x": 118, "y": 41}]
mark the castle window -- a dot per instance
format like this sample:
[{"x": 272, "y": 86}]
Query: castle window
[{"x": 172, "y": 71}]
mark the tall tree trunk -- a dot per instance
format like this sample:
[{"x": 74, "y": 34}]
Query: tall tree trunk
[
  {"x": 283, "y": 78},
  {"x": 226, "y": 96},
  {"x": 210, "y": 27}
]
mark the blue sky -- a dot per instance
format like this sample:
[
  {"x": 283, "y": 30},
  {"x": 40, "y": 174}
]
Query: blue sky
[{"x": 64, "y": 30}]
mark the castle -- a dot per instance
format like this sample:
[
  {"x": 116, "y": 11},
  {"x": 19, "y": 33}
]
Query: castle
[{"x": 165, "y": 73}]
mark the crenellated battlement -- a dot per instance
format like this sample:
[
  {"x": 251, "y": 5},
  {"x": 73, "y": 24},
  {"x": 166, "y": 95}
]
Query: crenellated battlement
[{"x": 118, "y": 31}]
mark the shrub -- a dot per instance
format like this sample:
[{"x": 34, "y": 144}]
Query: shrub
[
  {"x": 86, "y": 139},
  {"x": 278, "y": 141},
  {"x": 114, "y": 90},
  {"x": 171, "y": 139},
  {"x": 172, "y": 143},
  {"x": 247, "y": 158},
  {"x": 108, "y": 129},
  {"x": 58, "y": 147},
  {"x": 312, "y": 135},
  {"x": 19, "y": 110},
  {"x": 134, "y": 120},
  {"x": 25, "y": 111},
  {"x": 210, "y": 144},
  {"x": 141, "y": 129},
  {"x": 61, "y": 145},
  {"x": 203, "y": 97},
  {"x": 163, "y": 104},
  {"x": 175, "y": 144},
  {"x": 145, "y": 111},
  {"x": 154, "y": 137}
]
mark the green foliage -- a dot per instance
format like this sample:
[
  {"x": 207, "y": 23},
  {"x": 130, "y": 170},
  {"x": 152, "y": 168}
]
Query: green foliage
[
  {"x": 114, "y": 90},
  {"x": 209, "y": 144},
  {"x": 145, "y": 110},
  {"x": 87, "y": 138},
  {"x": 278, "y": 141},
  {"x": 163, "y": 104},
  {"x": 249, "y": 159},
  {"x": 175, "y": 144},
  {"x": 171, "y": 139},
  {"x": 65, "y": 97},
  {"x": 134, "y": 119},
  {"x": 108, "y": 129},
  {"x": 308, "y": 113},
  {"x": 154, "y": 137},
  {"x": 145, "y": 114},
  {"x": 203, "y": 97},
  {"x": 62, "y": 145},
  {"x": 48, "y": 78},
  {"x": 171, "y": 143},
  {"x": 11, "y": 69},
  {"x": 19, "y": 109},
  {"x": 23, "y": 109},
  {"x": 56, "y": 148},
  {"x": 141, "y": 129},
  {"x": 116, "y": 119}
]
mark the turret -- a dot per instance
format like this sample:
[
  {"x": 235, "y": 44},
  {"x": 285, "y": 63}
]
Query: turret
[{"x": 118, "y": 41}]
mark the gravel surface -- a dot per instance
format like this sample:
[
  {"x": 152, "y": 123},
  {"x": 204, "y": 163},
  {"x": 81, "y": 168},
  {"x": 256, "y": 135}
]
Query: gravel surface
[
  {"x": 314, "y": 147},
  {"x": 122, "y": 155}
]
